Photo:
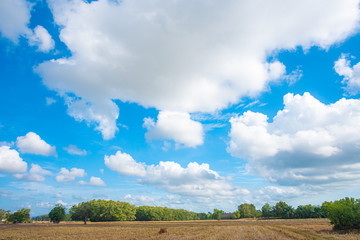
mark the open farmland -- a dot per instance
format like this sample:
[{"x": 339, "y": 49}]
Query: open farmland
[{"x": 225, "y": 229}]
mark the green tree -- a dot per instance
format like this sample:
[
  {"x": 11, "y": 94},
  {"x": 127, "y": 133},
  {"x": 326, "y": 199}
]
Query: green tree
[
  {"x": 247, "y": 210},
  {"x": 283, "y": 210},
  {"x": 81, "y": 212},
  {"x": 57, "y": 214},
  {"x": 19, "y": 216},
  {"x": 103, "y": 210},
  {"x": 217, "y": 214},
  {"x": 306, "y": 211},
  {"x": 147, "y": 213},
  {"x": 344, "y": 214},
  {"x": 4, "y": 214},
  {"x": 267, "y": 210},
  {"x": 237, "y": 214},
  {"x": 42, "y": 218}
]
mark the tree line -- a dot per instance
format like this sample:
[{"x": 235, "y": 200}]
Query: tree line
[{"x": 343, "y": 213}]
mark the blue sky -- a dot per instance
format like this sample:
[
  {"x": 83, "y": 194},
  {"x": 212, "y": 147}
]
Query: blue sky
[{"x": 195, "y": 105}]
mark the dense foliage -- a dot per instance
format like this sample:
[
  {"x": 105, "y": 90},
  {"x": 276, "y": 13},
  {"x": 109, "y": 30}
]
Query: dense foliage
[
  {"x": 246, "y": 210},
  {"x": 147, "y": 213},
  {"x": 344, "y": 213},
  {"x": 283, "y": 210},
  {"x": 217, "y": 214},
  {"x": 4, "y": 214},
  {"x": 41, "y": 218},
  {"x": 19, "y": 216},
  {"x": 57, "y": 214},
  {"x": 103, "y": 210}
]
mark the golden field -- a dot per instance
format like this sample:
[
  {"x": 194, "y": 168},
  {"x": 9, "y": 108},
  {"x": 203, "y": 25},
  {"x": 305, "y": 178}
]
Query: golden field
[{"x": 209, "y": 229}]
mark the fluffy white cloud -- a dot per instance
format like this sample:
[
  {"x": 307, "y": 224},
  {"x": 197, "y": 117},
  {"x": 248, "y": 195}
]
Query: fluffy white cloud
[
  {"x": 103, "y": 113},
  {"x": 32, "y": 143},
  {"x": 74, "y": 150},
  {"x": 307, "y": 141},
  {"x": 36, "y": 174},
  {"x": 94, "y": 181},
  {"x": 182, "y": 57},
  {"x": 195, "y": 180},
  {"x": 66, "y": 176},
  {"x": 42, "y": 39},
  {"x": 10, "y": 161},
  {"x": 351, "y": 74},
  {"x": 175, "y": 126},
  {"x": 14, "y": 18},
  {"x": 123, "y": 163}
]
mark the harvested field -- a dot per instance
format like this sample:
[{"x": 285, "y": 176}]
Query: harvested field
[{"x": 224, "y": 229}]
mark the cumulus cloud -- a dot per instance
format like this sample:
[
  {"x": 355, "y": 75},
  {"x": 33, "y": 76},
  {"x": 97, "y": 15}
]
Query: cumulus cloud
[
  {"x": 307, "y": 141},
  {"x": 103, "y": 113},
  {"x": 14, "y": 18},
  {"x": 181, "y": 57},
  {"x": 124, "y": 164},
  {"x": 67, "y": 176},
  {"x": 194, "y": 180},
  {"x": 10, "y": 161},
  {"x": 42, "y": 39},
  {"x": 94, "y": 181},
  {"x": 175, "y": 126},
  {"x": 32, "y": 143},
  {"x": 74, "y": 150},
  {"x": 36, "y": 174},
  {"x": 351, "y": 74}
]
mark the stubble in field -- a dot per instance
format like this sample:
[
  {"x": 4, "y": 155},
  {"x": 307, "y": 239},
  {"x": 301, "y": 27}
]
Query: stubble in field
[{"x": 225, "y": 229}]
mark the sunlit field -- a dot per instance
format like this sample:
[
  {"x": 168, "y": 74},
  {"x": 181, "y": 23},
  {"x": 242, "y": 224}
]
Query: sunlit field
[{"x": 224, "y": 229}]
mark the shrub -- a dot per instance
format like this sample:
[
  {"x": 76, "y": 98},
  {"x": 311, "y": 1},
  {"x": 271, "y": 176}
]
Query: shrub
[{"x": 344, "y": 213}]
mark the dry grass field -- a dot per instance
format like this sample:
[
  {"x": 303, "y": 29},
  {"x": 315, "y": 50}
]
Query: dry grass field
[{"x": 224, "y": 229}]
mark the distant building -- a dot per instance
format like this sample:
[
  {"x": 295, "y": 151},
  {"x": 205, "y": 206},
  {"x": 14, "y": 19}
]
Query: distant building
[{"x": 227, "y": 216}]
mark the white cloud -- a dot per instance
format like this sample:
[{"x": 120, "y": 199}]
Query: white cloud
[
  {"x": 307, "y": 141},
  {"x": 102, "y": 113},
  {"x": 14, "y": 18},
  {"x": 175, "y": 126},
  {"x": 32, "y": 143},
  {"x": 274, "y": 193},
  {"x": 42, "y": 39},
  {"x": 123, "y": 163},
  {"x": 181, "y": 57},
  {"x": 50, "y": 101},
  {"x": 62, "y": 203},
  {"x": 74, "y": 150},
  {"x": 94, "y": 181},
  {"x": 195, "y": 180},
  {"x": 77, "y": 197},
  {"x": 66, "y": 176},
  {"x": 351, "y": 74},
  {"x": 10, "y": 161},
  {"x": 58, "y": 195},
  {"x": 45, "y": 205},
  {"x": 36, "y": 174}
]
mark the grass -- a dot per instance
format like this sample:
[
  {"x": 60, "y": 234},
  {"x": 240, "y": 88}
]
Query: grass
[{"x": 224, "y": 229}]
